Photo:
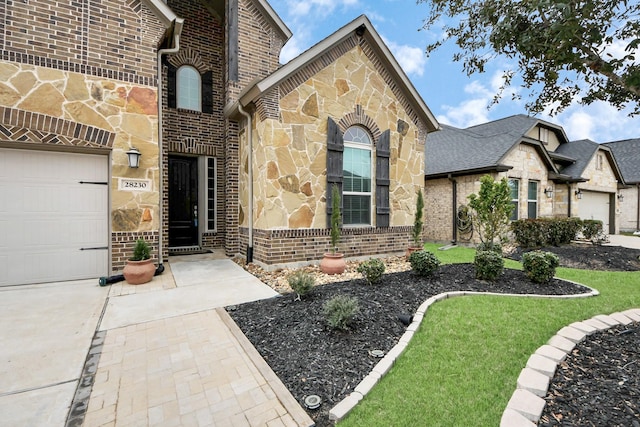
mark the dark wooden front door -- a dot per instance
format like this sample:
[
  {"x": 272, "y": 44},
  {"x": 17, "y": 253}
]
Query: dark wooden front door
[{"x": 183, "y": 201}]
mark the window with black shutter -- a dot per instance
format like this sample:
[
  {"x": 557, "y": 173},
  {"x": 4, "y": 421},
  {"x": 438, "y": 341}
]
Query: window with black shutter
[
  {"x": 383, "y": 152},
  {"x": 335, "y": 148}
]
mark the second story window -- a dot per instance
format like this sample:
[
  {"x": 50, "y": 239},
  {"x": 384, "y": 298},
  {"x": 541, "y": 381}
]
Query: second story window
[{"x": 188, "y": 88}]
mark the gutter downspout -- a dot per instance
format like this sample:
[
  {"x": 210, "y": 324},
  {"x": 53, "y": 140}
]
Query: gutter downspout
[
  {"x": 250, "y": 161},
  {"x": 177, "y": 29},
  {"x": 454, "y": 215},
  {"x": 569, "y": 199}
]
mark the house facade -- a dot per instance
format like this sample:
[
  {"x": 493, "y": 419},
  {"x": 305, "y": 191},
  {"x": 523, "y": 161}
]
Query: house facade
[
  {"x": 548, "y": 175},
  {"x": 237, "y": 152},
  {"x": 627, "y": 154}
]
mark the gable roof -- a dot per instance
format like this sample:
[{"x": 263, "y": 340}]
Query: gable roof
[
  {"x": 363, "y": 27},
  {"x": 583, "y": 151},
  {"x": 481, "y": 148},
  {"x": 627, "y": 154}
]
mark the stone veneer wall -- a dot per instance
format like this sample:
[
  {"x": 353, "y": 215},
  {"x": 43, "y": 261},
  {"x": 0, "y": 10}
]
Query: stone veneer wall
[{"x": 98, "y": 78}]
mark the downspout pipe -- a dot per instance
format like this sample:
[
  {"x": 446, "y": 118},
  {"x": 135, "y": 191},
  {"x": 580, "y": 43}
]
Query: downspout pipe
[
  {"x": 177, "y": 30},
  {"x": 454, "y": 215},
  {"x": 250, "y": 161}
]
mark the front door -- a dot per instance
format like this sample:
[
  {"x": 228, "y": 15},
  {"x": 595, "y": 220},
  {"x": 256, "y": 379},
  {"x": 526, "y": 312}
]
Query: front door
[{"x": 183, "y": 201}]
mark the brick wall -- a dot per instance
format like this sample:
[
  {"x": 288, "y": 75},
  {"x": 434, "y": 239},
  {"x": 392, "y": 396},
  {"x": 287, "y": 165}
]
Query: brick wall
[
  {"x": 106, "y": 38},
  {"x": 122, "y": 244},
  {"x": 274, "y": 248}
]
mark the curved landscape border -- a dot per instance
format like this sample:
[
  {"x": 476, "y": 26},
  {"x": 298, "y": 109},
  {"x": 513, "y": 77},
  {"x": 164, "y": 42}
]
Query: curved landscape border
[{"x": 340, "y": 410}]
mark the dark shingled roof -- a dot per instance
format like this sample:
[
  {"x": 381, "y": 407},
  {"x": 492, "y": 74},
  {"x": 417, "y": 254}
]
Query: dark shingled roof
[
  {"x": 481, "y": 147},
  {"x": 582, "y": 151},
  {"x": 627, "y": 155}
]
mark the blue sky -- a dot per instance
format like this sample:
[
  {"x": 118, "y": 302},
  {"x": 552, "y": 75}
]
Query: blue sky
[{"x": 454, "y": 98}]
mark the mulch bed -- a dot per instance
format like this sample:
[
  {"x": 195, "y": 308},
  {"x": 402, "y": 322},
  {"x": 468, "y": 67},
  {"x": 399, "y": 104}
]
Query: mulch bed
[{"x": 312, "y": 359}]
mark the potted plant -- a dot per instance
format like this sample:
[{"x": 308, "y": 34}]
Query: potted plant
[
  {"x": 139, "y": 268},
  {"x": 416, "y": 232},
  {"x": 333, "y": 262}
]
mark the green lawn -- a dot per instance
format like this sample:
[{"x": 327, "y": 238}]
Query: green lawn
[{"x": 461, "y": 367}]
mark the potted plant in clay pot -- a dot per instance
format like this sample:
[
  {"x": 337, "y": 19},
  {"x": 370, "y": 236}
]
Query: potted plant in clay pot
[
  {"x": 416, "y": 232},
  {"x": 139, "y": 268},
  {"x": 333, "y": 262}
]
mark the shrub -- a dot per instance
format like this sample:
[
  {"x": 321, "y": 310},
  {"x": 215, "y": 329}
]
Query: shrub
[
  {"x": 424, "y": 262},
  {"x": 416, "y": 232},
  {"x": 535, "y": 233},
  {"x": 340, "y": 311},
  {"x": 301, "y": 282},
  {"x": 141, "y": 251},
  {"x": 540, "y": 266},
  {"x": 591, "y": 228},
  {"x": 491, "y": 209},
  {"x": 372, "y": 270},
  {"x": 490, "y": 246},
  {"x": 488, "y": 265}
]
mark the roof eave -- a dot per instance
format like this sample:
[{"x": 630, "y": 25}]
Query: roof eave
[
  {"x": 274, "y": 19},
  {"x": 464, "y": 172}
]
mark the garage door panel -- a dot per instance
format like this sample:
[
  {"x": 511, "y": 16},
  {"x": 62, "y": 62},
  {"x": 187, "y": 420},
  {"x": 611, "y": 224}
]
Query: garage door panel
[{"x": 52, "y": 216}]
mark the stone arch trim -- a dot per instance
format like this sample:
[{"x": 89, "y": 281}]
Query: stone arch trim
[
  {"x": 189, "y": 57},
  {"x": 359, "y": 117},
  {"x": 29, "y": 127}
]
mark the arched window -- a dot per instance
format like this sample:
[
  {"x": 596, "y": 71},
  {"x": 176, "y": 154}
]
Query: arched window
[
  {"x": 189, "y": 88},
  {"x": 357, "y": 168}
]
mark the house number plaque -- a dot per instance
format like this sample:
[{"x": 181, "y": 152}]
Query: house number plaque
[{"x": 127, "y": 184}]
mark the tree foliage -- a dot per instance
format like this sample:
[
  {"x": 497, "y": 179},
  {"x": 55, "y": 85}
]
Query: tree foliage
[
  {"x": 491, "y": 210},
  {"x": 563, "y": 49}
]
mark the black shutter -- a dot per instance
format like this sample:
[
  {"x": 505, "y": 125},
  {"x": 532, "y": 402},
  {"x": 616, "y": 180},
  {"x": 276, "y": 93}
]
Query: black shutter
[
  {"x": 335, "y": 148},
  {"x": 171, "y": 86},
  {"x": 207, "y": 92},
  {"x": 383, "y": 152}
]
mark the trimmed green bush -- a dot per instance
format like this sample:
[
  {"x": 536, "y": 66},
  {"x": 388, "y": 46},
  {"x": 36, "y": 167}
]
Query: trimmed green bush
[
  {"x": 540, "y": 266},
  {"x": 490, "y": 246},
  {"x": 340, "y": 311},
  {"x": 424, "y": 262},
  {"x": 301, "y": 282},
  {"x": 372, "y": 270},
  {"x": 141, "y": 251},
  {"x": 488, "y": 265},
  {"x": 591, "y": 228},
  {"x": 536, "y": 233}
]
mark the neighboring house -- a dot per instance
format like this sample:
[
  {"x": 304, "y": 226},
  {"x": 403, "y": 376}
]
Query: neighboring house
[
  {"x": 532, "y": 154},
  {"x": 237, "y": 151},
  {"x": 627, "y": 154}
]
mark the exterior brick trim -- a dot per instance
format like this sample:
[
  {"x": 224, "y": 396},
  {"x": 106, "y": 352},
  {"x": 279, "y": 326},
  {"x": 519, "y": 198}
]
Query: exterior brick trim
[
  {"x": 24, "y": 126},
  {"x": 122, "y": 243},
  {"x": 91, "y": 70},
  {"x": 189, "y": 57},
  {"x": 359, "y": 117}
]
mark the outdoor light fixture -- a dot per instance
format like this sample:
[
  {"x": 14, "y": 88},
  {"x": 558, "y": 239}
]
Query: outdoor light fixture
[
  {"x": 134, "y": 157},
  {"x": 548, "y": 192},
  {"x": 621, "y": 197},
  {"x": 579, "y": 193}
]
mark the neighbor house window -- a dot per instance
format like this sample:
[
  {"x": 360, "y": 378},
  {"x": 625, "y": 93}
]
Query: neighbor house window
[
  {"x": 599, "y": 162},
  {"x": 357, "y": 173},
  {"x": 514, "y": 185},
  {"x": 532, "y": 200},
  {"x": 544, "y": 135},
  {"x": 189, "y": 88}
]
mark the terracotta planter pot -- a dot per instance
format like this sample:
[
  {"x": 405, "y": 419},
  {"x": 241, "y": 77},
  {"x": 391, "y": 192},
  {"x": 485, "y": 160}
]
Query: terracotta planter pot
[
  {"x": 139, "y": 272},
  {"x": 333, "y": 264},
  {"x": 412, "y": 249}
]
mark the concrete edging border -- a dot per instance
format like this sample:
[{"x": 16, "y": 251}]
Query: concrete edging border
[
  {"x": 527, "y": 402},
  {"x": 342, "y": 408}
]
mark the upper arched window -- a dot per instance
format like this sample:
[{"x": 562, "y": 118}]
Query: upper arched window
[
  {"x": 189, "y": 88},
  {"x": 357, "y": 172}
]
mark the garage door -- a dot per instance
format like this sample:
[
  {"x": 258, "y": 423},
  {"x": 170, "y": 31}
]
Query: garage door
[
  {"x": 53, "y": 216},
  {"x": 595, "y": 205}
]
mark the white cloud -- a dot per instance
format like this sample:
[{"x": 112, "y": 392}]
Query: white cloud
[
  {"x": 322, "y": 7},
  {"x": 294, "y": 47},
  {"x": 599, "y": 122},
  {"x": 412, "y": 59}
]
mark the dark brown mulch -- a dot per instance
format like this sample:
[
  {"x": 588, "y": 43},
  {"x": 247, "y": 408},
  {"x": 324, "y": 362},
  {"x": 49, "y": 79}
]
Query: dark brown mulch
[
  {"x": 310, "y": 358},
  {"x": 598, "y": 384},
  {"x": 591, "y": 257}
]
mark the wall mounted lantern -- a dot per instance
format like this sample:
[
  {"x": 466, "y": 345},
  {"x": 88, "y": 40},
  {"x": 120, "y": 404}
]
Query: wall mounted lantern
[
  {"x": 621, "y": 197},
  {"x": 548, "y": 192},
  {"x": 134, "y": 157},
  {"x": 579, "y": 193}
]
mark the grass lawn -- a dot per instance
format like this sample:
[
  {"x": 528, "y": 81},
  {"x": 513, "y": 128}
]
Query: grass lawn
[{"x": 461, "y": 367}]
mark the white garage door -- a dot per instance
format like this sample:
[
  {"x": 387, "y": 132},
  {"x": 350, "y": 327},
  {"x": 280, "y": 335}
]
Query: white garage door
[
  {"x": 53, "y": 216},
  {"x": 595, "y": 205}
]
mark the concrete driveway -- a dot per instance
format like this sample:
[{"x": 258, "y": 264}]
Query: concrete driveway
[{"x": 45, "y": 331}]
